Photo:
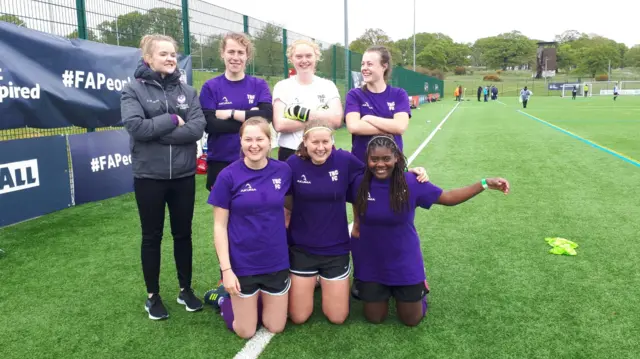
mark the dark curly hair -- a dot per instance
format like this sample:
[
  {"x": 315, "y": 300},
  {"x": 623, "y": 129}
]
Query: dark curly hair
[{"x": 399, "y": 191}]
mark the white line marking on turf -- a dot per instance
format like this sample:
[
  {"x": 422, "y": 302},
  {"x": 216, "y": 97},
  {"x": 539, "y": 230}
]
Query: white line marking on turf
[
  {"x": 433, "y": 133},
  {"x": 254, "y": 347},
  {"x": 501, "y": 102}
]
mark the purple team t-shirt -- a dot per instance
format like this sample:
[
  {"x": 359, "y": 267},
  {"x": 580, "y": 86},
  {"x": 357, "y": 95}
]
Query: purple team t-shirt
[
  {"x": 388, "y": 250},
  {"x": 319, "y": 218},
  {"x": 385, "y": 104},
  {"x": 219, "y": 93},
  {"x": 256, "y": 228}
]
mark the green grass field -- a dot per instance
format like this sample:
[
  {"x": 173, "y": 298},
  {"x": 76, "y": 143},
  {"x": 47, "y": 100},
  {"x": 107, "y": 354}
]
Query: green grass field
[{"x": 72, "y": 285}]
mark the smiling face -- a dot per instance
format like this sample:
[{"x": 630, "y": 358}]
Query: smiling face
[
  {"x": 235, "y": 56},
  {"x": 304, "y": 59},
  {"x": 255, "y": 142},
  {"x": 372, "y": 68},
  {"x": 161, "y": 57},
  {"x": 318, "y": 143},
  {"x": 381, "y": 162}
]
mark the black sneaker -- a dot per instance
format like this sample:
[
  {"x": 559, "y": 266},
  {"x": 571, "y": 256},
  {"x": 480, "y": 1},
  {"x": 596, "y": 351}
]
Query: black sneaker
[
  {"x": 155, "y": 308},
  {"x": 189, "y": 300},
  {"x": 212, "y": 297}
]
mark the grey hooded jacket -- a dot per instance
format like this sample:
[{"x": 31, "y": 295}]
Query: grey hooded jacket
[{"x": 159, "y": 148}]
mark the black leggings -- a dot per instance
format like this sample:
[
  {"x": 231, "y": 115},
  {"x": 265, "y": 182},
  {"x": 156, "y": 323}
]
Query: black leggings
[
  {"x": 152, "y": 196},
  {"x": 284, "y": 153}
]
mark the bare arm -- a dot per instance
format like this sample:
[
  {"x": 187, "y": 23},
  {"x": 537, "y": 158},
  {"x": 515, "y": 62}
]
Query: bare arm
[
  {"x": 395, "y": 126},
  {"x": 221, "y": 242},
  {"x": 282, "y": 124},
  {"x": 460, "y": 195},
  {"x": 333, "y": 114},
  {"x": 356, "y": 126},
  {"x": 220, "y": 236},
  {"x": 288, "y": 207}
]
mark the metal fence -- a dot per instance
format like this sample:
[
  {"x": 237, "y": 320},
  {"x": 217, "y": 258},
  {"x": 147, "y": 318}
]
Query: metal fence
[{"x": 196, "y": 25}]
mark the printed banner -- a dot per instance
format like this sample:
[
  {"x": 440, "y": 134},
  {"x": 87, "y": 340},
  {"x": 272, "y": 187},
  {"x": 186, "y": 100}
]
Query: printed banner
[
  {"x": 49, "y": 81},
  {"x": 101, "y": 165},
  {"x": 621, "y": 92},
  {"x": 34, "y": 178},
  {"x": 557, "y": 86},
  {"x": 358, "y": 80}
]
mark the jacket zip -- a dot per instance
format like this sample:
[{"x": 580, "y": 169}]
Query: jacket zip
[{"x": 166, "y": 102}]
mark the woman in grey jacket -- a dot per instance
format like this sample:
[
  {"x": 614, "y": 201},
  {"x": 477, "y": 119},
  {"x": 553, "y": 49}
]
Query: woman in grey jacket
[{"x": 165, "y": 121}]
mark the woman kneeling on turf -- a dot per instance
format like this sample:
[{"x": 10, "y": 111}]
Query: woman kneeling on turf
[
  {"x": 387, "y": 256},
  {"x": 249, "y": 232},
  {"x": 318, "y": 230}
]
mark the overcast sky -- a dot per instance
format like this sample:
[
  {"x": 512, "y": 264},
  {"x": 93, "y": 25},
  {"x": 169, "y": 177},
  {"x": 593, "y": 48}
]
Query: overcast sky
[{"x": 462, "y": 20}]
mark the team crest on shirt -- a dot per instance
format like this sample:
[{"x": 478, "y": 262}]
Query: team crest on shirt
[
  {"x": 369, "y": 197},
  {"x": 392, "y": 105},
  {"x": 303, "y": 179},
  {"x": 181, "y": 103},
  {"x": 321, "y": 98},
  {"x": 248, "y": 188},
  {"x": 334, "y": 175},
  {"x": 277, "y": 183},
  {"x": 225, "y": 101},
  {"x": 251, "y": 98}
]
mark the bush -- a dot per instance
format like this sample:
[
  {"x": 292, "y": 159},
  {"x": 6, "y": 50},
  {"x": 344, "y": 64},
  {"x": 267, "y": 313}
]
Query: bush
[
  {"x": 499, "y": 72},
  {"x": 492, "y": 77},
  {"x": 602, "y": 77},
  {"x": 460, "y": 70}
]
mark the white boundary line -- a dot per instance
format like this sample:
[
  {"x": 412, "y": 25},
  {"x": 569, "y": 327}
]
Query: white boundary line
[
  {"x": 255, "y": 346},
  {"x": 433, "y": 133}
]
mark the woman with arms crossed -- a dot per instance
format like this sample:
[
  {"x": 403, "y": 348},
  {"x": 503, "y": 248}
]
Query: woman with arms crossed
[
  {"x": 165, "y": 122},
  {"x": 249, "y": 232},
  {"x": 303, "y": 97},
  {"x": 387, "y": 257},
  {"x": 377, "y": 107},
  {"x": 229, "y": 99}
]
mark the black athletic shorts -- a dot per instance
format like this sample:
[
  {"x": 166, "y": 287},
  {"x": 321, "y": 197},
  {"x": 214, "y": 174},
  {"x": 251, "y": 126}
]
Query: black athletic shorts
[
  {"x": 305, "y": 264},
  {"x": 376, "y": 292},
  {"x": 284, "y": 153},
  {"x": 213, "y": 170},
  {"x": 276, "y": 283}
]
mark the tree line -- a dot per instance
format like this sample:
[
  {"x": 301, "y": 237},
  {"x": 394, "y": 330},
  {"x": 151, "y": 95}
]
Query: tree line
[{"x": 577, "y": 53}]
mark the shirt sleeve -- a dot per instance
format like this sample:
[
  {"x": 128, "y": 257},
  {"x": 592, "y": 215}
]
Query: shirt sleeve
[
  {"x": 352, "y": 103},
  {"x": 426, "y": 193},
  {"x": 356, "y": 167},
  {"x": 352, "y": 192},
  {"x": 402, "y": 102},
  {"x": 290, "y": 163},
  {"x": 279, "y": 92},
  {"x": 287, "y": 179},
  {"x": 264, "y": 94},
  {"x": 207, "y": 98},
  {"x": 221, "y": 195}
]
